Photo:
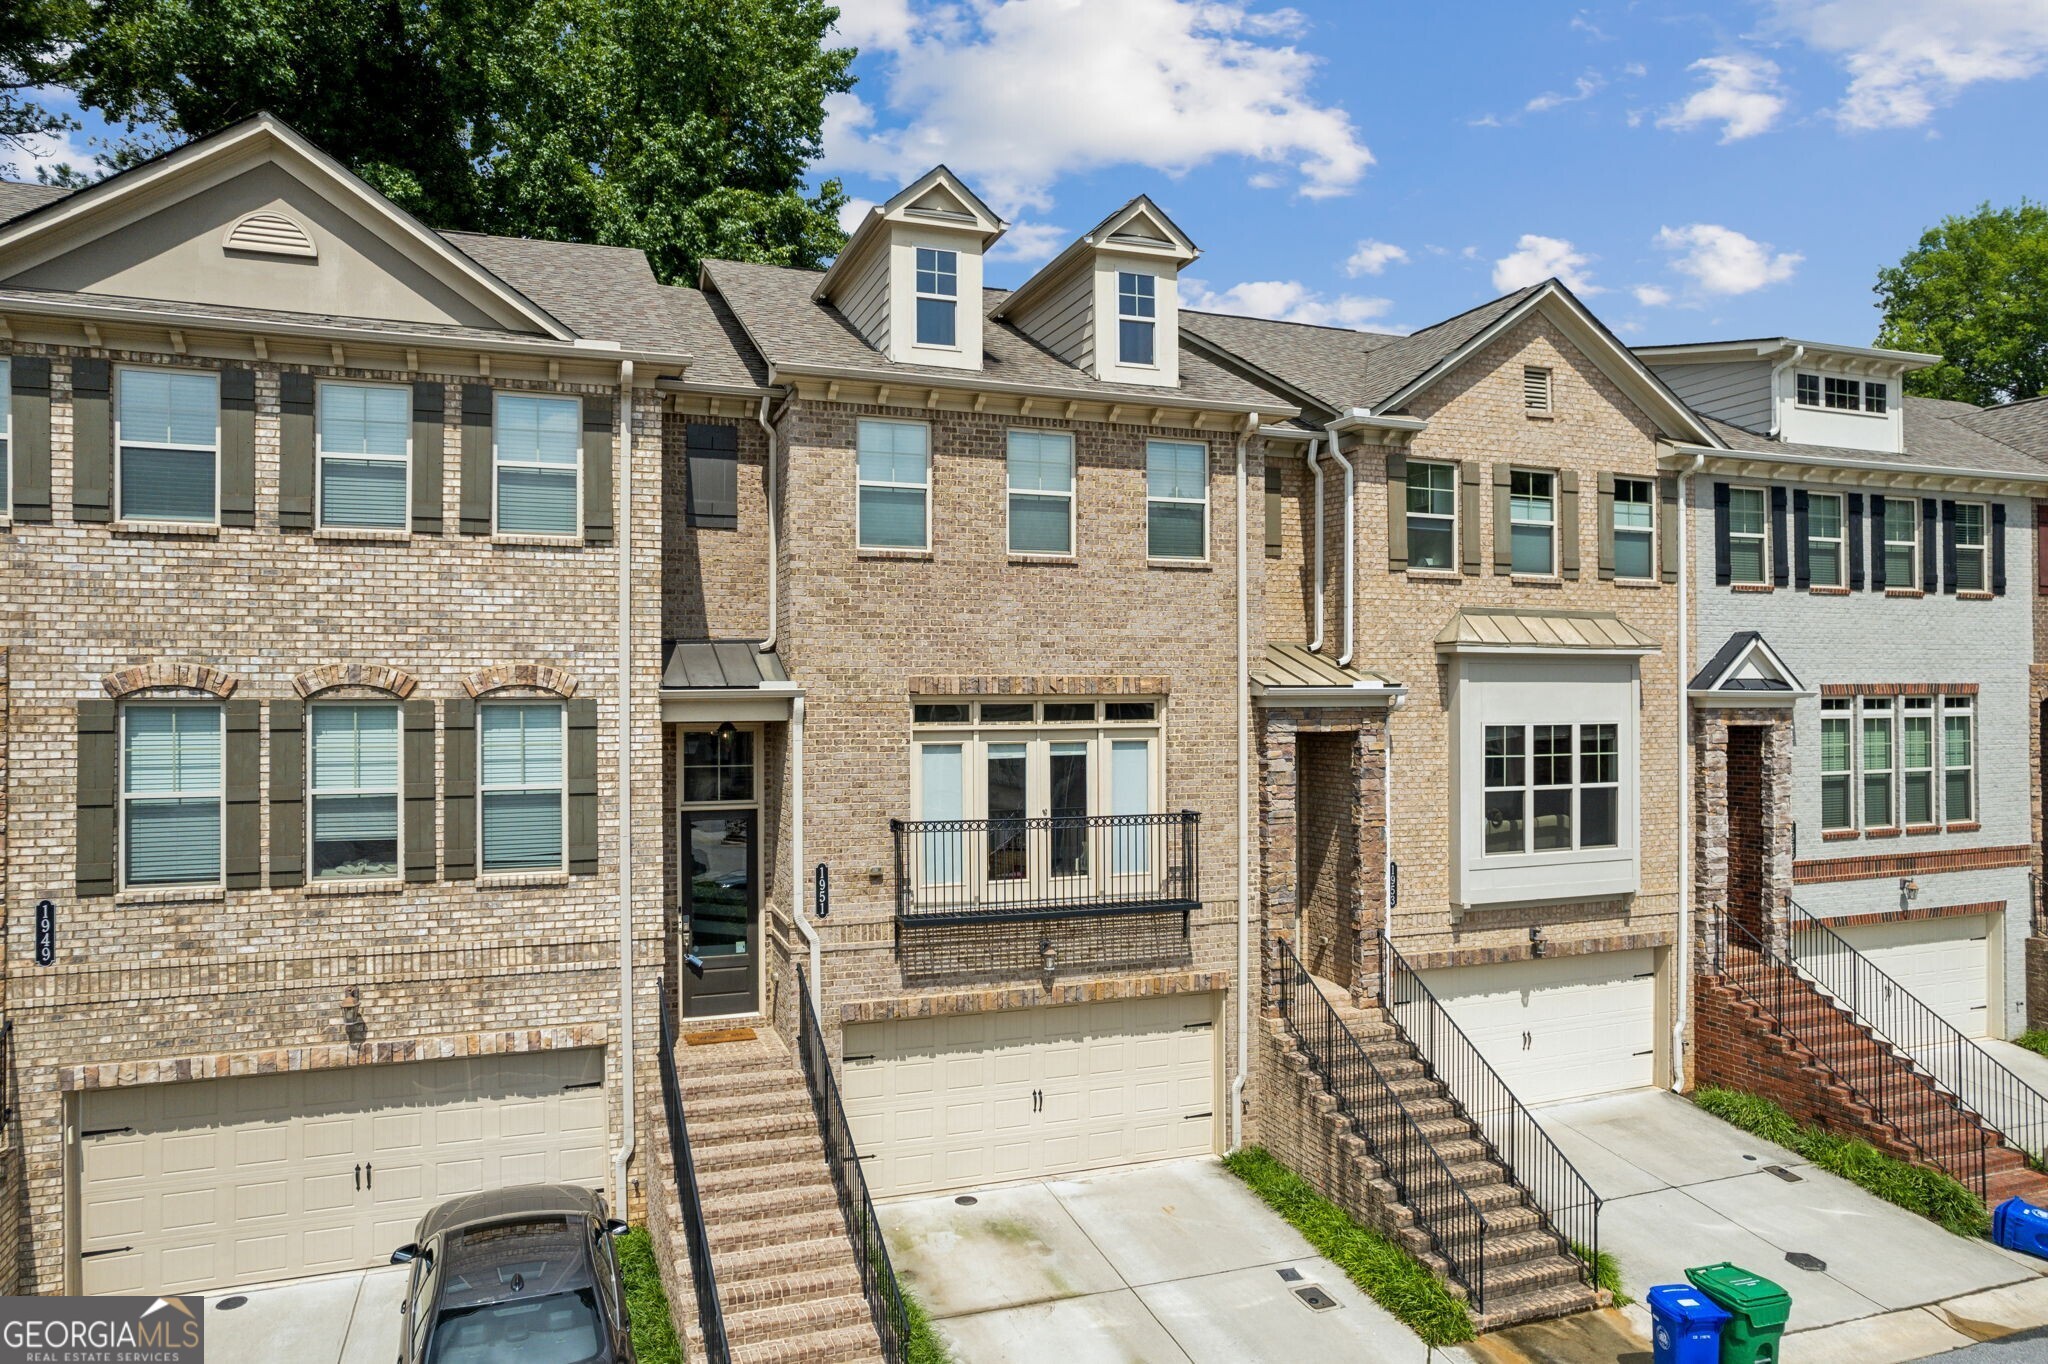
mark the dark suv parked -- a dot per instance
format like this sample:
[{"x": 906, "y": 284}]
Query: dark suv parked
[{"x": 526, "y": 1275}]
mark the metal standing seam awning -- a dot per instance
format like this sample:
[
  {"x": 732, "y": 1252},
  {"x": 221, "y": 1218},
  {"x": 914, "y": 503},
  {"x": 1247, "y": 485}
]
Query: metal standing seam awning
[
  {"x": 1290, "y": 675},
  {"x": 724, "y": 679},
  {"x": 1533, "y": 631}
]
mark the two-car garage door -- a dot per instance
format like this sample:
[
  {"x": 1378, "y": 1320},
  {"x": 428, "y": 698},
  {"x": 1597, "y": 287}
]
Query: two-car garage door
[
  {"x": 969, "y": 1099},
  {"x": 214, "y": 1182},
  {"x": 1562, "y": 1027},
  {"x": 1944, "y": 963}
]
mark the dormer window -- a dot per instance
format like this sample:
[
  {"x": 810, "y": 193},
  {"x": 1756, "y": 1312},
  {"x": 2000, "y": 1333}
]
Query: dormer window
[
  {"x": 938, "y": 295},
  {"x": 1136, "y": 310},
  {"x": 1841, "y": 395}
]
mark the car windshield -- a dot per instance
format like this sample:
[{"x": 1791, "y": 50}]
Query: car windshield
[
  {"x": 517, "y": 1293},
  {"x": 558, "y": 1329}
]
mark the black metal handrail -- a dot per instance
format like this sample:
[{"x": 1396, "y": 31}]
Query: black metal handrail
[
  {"x": 6, "y": 1071},
  {"x": 1408, "y": 1159},
  {"x": 1896, "y": 1093},
  {"x": 1057, "y": 866},
  {"x": 1554, "y": 1185},
  {"x": 877, "y": 1274},
  {"x": 710, "y": 1314},
  {"x": 1960, "y": 1068}
]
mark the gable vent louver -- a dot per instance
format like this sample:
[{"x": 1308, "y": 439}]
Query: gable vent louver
[
  {"x": 270, "y": 234},
  {"x": 1535, "y": 388}
]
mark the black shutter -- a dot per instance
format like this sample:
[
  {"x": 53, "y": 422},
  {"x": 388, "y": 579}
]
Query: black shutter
[
  {"x": 1854, "y": 535},
  {"x": 420, "y": 852},
  {"x": 712, "y": 454},
  {"x": 458, "y": 790},
  {"x": 597, "y": 470},
  {"x": 1801, "y": 567},
  {"x": 295, "y": 451},
  {"x": 244, "y": 817},
  {"x": 429, "y": 454},
  {"x": 476, "y": 459},
  {"x": 1781, "y": 549},
  {"x": 1723, "y": 575},
  {"x": 583, "y": 787},
  {"x": 238, "y": 448},
  {"x": 1930, "y": 549},
  {"x": 1948, "y": 547},
  {"x": 92, "y": 435},
  {"x": 1998, "y": 549},
  {"x": 99, "y": 766},
  {"x": 287, "y": 793},
  {"x": 29, "y": 476},
  {"x": 1877, "y": 583}
]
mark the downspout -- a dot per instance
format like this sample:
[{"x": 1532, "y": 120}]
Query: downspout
[
  {"x": 1350, "y": 545},
  {"x": 774, "y": 536},
  {"x": 626, "y": 751},
  {"x": 1777, "y": 404},
  {"x": 1244, "y": 808},
  {"x": 1316, "y": 644},
  {"x": 796, "y": 846},
  {"x": 1682, "y": 970}
]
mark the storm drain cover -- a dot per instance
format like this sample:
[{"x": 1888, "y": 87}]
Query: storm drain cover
[
  {"x": 1784, "y": 1174},
  {"x": 1290, "y": 1275},
  {"x": 1316, "y": 1299},
  {"x": 967, "y": 1200},
  {"x": 1799, "y": 1259},
  {"x": 229, "y": 1304}
]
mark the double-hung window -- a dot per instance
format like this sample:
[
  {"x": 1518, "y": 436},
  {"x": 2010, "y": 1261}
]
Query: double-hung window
[
  {"x": 1176, "y": 499},
  {"x": 1824, "y": 543},
  {"x": 1971, "y": 550},
  {"x": 354, "y": 789},
  {"x": 1916, "y": 760},
  {"x": 938, "y": 296},
  {"x": 521, "y": 786},
  {"x": 365, "y": 435},
  {"x": 1552, "y": 788},
  {"x": 1635, "y": 528},
  {"x": 1837, "y": 765},
  {"x": 1041, "y": 473},
  {"x": 895, "y": 485},
  {"x": 1901, "y": 542},
  {"x": 1877, "y": 763},
  {"x": 167, "y": 430},
  {"x": 1958, "y": 760},
  {"x": 1137, "y": 307},
  {"x": 1432, "y": 515},
  {"x": 539, "y": 464},
  {"x": 1532, "y": 519},
  {"x": 1749, "y": 559},
  {"x": 171, "y": 794}
]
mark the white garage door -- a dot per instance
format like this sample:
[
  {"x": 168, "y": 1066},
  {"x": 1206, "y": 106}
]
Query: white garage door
[
  {"x": 1944, "y": 963},
  {"x": 945, "y": 1103},
  {"x": 216, "y": 1182},
  {"x": 1562, "y": 1028}
]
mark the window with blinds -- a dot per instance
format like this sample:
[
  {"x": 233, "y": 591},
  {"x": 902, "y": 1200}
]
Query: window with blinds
[
  {"x": 1535, "y": 388},
  {"x": 1837, "y": 766},
  {"x": 520, "y": 785},
  {"x": 895, "y": 484},
  {"x": 167, "y": 433},
  {"x": 539, "y": 448},
  {"x": 1176, "y": 499},
  {"x": 354, "y": 790},
  {"x": 1041, "y": 468},
  {"x": 1749, "y": 559},
  {"x": 171, "y": 794},
  {"x": 1635, "y": 529},
  {"x": 1432, "y": 515},
  {"x": 365, "y": 434}
]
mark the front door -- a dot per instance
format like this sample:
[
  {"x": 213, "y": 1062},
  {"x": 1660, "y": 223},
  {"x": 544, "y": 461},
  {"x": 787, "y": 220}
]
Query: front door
[
  {"x": 721, "y": 913},
  {"x": 1748, "y": 839}
]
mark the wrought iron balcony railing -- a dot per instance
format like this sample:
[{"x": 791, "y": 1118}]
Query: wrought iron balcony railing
[{"x": 959, "y": 871}]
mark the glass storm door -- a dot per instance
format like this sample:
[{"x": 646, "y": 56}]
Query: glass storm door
[{"x": 721, "y": 906}]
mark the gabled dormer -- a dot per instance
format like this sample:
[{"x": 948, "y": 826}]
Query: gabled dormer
[
  {"x": 1802, "y": 392},
  {"x": 909, "y": 278},
  {"x": 1110, "y": 303}
]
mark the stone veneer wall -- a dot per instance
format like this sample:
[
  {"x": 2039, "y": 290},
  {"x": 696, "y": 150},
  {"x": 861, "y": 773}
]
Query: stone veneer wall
[{"x": 1712, "y": 843}]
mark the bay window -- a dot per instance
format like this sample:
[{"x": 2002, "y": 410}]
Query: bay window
[
  {"x": 521, "y": 785},
  {"x": 171, "y": 794},
  {"x": 1570, "y": 787},
  {"x": 354, "y": 790}
]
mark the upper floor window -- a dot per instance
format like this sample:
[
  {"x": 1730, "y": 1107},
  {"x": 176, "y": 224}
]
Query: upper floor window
[
  {"x": 539, "y": 457},
  {"x": 171, "y": 794},
  {"x": 938, "y": 294},
  {"x": 1875, "y": 758},
  {"x": 1532, "y": 520},
  {"x": 1176, "y": 499},
  {"x": 1551, "y": 788},
  {"x": 1749, "y": 559},
  {"x": 895, "y": 485},
  {"x": 1970, "y": 547},
  {"x": 1841, "y": 395},
  {"x": 1837, "y": 765},
  {"x": 1041, "y": 474},
  {"x": 365, "y": 436},
  {"x": 1432, "y": 515},
  {"x": 1901, "y": 541},
  {"x": 1535, "y": 388},
  {"x": 521, "y": 786},
  {"x": 1824, "y": 542},
  {"x": 167, "y": 434},
  {"x": 353, "y": 787},
  {"x": 1635, "y": 528},
  {"x": 1136, "y": 311},
  {"x": 1958, "y": 759}
]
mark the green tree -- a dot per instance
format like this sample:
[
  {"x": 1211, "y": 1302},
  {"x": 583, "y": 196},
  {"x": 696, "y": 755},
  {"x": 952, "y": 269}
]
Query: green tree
[
  {"x": 682, "y": 127},
  {"x": 1975, "y": 292},
  {"x": 32, "y": 35}
]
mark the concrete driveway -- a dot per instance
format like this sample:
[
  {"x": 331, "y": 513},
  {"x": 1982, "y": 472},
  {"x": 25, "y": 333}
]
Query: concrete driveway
[
  {"x": 336, "y": 1319},
  {"x": 1176, "y": 1263}
]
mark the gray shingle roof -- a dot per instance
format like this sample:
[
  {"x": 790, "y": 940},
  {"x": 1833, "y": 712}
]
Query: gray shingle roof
[
  {"x": 1940, "y": 434},
  {"x": 774, "y": 305},
  {"x": 2022, "y": 426},
  {"x": 604, "y": 292},
  {"x": 17, "y": 198}
]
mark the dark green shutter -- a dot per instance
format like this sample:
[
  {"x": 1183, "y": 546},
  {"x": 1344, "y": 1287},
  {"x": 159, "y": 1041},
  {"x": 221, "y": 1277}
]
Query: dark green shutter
[
  {"x": 99, "y": 768},
  {"x": 287, "y": 793},
  {"x": 476, "y": 460},
  {"x": 237, "y": 447},
  {"x": 597, "y": 470},
  {"x": 1604, "y": 531},
  {"x": 458, "y": 790},
  {"x": 1503, "y": 539},
  {"x": 1276, "y": 494},
  {"x": 1667, "y": 526},
  {"x": 244, "y": 821},
  {"x": 429, "y": 454},
  {"x": 420, "y": 859},
  {"x": 29, "y": 476},
  {"x": 1568, "y": 525},
  {"x": 583, "y": 787},
  {"x": 1468, "y": 514},
  {"x": 295, "y": 452},
  {"x": 1397, "y": 512},
  {"x": 92, "y": 441}
]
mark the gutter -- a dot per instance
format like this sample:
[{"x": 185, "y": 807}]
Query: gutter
[
  {"x": 1682, "y": 972},
  {"x": 1777, "y": 399},
  {"x": 977, "y": 381},
  {"x": 1350, "y": 548},
  {"x": 626, "y": 750},
  {"x": 1244, "y": 806},
  {"x": 1788, "y": 457},
  {"x": 1316, "y": 645}
]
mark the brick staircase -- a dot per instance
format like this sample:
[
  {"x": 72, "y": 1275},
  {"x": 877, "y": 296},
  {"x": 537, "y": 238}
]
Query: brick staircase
[
  {"x": 1530, "y": 1271},
  {"x": 787, "y": 1276}
]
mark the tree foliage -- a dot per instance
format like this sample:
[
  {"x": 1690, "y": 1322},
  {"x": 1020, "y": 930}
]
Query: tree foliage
[
  {"x": 682, "y": 127},
  {"x": 1975, "y": 292},
  {"x": 32, "y": 36}
]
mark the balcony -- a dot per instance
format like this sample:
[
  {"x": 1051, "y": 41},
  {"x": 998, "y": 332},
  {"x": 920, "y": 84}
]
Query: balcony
[{"x": 969, "y": 871}]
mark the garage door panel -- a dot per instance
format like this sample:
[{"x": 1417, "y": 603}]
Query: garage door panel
[
  {"x": 1943, "y": 963},
  {"x": 1562, "y": 1027}
]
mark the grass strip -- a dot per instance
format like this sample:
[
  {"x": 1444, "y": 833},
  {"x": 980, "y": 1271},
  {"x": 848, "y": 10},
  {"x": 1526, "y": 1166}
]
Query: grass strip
[
  {"x": 2034, "y": 1040},
  {"x": 1930, "y": 1193},
  {"x": 654, "y": 1333},
  {"x": 1389, "y": 1275},
  {"x": 925, "y": 1345}
]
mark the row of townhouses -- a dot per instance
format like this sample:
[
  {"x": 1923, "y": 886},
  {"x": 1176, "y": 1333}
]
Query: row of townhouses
[{"x": 439, "y": 668}]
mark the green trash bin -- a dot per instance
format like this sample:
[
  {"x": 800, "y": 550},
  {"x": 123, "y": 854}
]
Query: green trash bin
[{"x": 1757, "y": 1310}]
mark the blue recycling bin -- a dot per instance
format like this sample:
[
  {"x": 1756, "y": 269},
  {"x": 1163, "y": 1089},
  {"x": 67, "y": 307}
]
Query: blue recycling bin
[
  {"x": 1685, "y": 1325},
  {"x": 2018, "y": 1225}
]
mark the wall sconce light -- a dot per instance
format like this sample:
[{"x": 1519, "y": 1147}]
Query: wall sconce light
[
  {"x": 1537, "y": 947},
  {"x": 1909, "y": 890},
  {"x": 1045, "y": 951},
  {"x": 351, "y": 999}
]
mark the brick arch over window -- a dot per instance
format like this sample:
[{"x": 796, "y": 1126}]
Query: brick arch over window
[
  {"x": 187, "y": 676},
  {"x": 538, "y": 676},
  {"x": 378, "y": 676}
]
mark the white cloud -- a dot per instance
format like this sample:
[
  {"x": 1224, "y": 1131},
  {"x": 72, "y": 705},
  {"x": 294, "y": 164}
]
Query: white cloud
[
  {"x": 852, "y": 211},
  {"x": 1030, "y": 242},
  {"x": 46, "y": 149},
  {"x": 1651, "y": 295},
  {"x": 1584, "y": 88},
  {"x": 1635, "y": 70},
  {"x": 1906, "y": 58},
  {"x": 1742, "y": 94},
  {"x": 1536, "y": 259},
  {"x": 1373, "y": 258},
  {"x": 1286, "y": 300},
  {"x": 1721, "y": 260},
  {"x": 1015, "y": 94}
]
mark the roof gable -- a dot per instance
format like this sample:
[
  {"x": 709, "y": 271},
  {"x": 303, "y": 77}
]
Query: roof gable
[
  {"x": 1748, "y": 671},
  {"x": 938, "y": 199}
]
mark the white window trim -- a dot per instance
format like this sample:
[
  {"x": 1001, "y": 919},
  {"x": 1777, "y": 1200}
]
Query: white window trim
[
  {"x": 1763, "y": 539},
  {"x": 1550, "y": 525},
  {"x": 498, "y": 463},
  {"x": 1011, "y": 494},
  {"x": 1151, "y": 322},
  {"x": 1840, "y": 539},
  {"x": 1202, "y": 502},
  {"x": 1866, "y": 711},
  {"x": 1862, "y": 408},
  {"x": 1887, "y": 543},
  {"x": 405, "y": 521},
  {"x": 917, "y": 342},
  {"x": 753, "y": 800},
  {"x": 1616, "y": 530},
  {"x": 1845, "y": 713},
  {"x": 1982, "y": 549},
  {"x": 1409, "y": 517},
  {"x": 397, "y": 791},
  {"x": 975, "y": 735},
  {"x": 1965, "y": 706},
  {"x": 561, "y": 789},
  {"x": 1907, "y": 709},
  {"x": 925, "y": 487},
  {"x": 1577, "y": 785},
  {"x": 120, "y": 442},
  {"x": 121, "y": 786}
]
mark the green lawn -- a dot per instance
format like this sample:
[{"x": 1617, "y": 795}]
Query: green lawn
[
  {"x": 2034, "y": 1040},
  {"x": 654, "y": 1334}
]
